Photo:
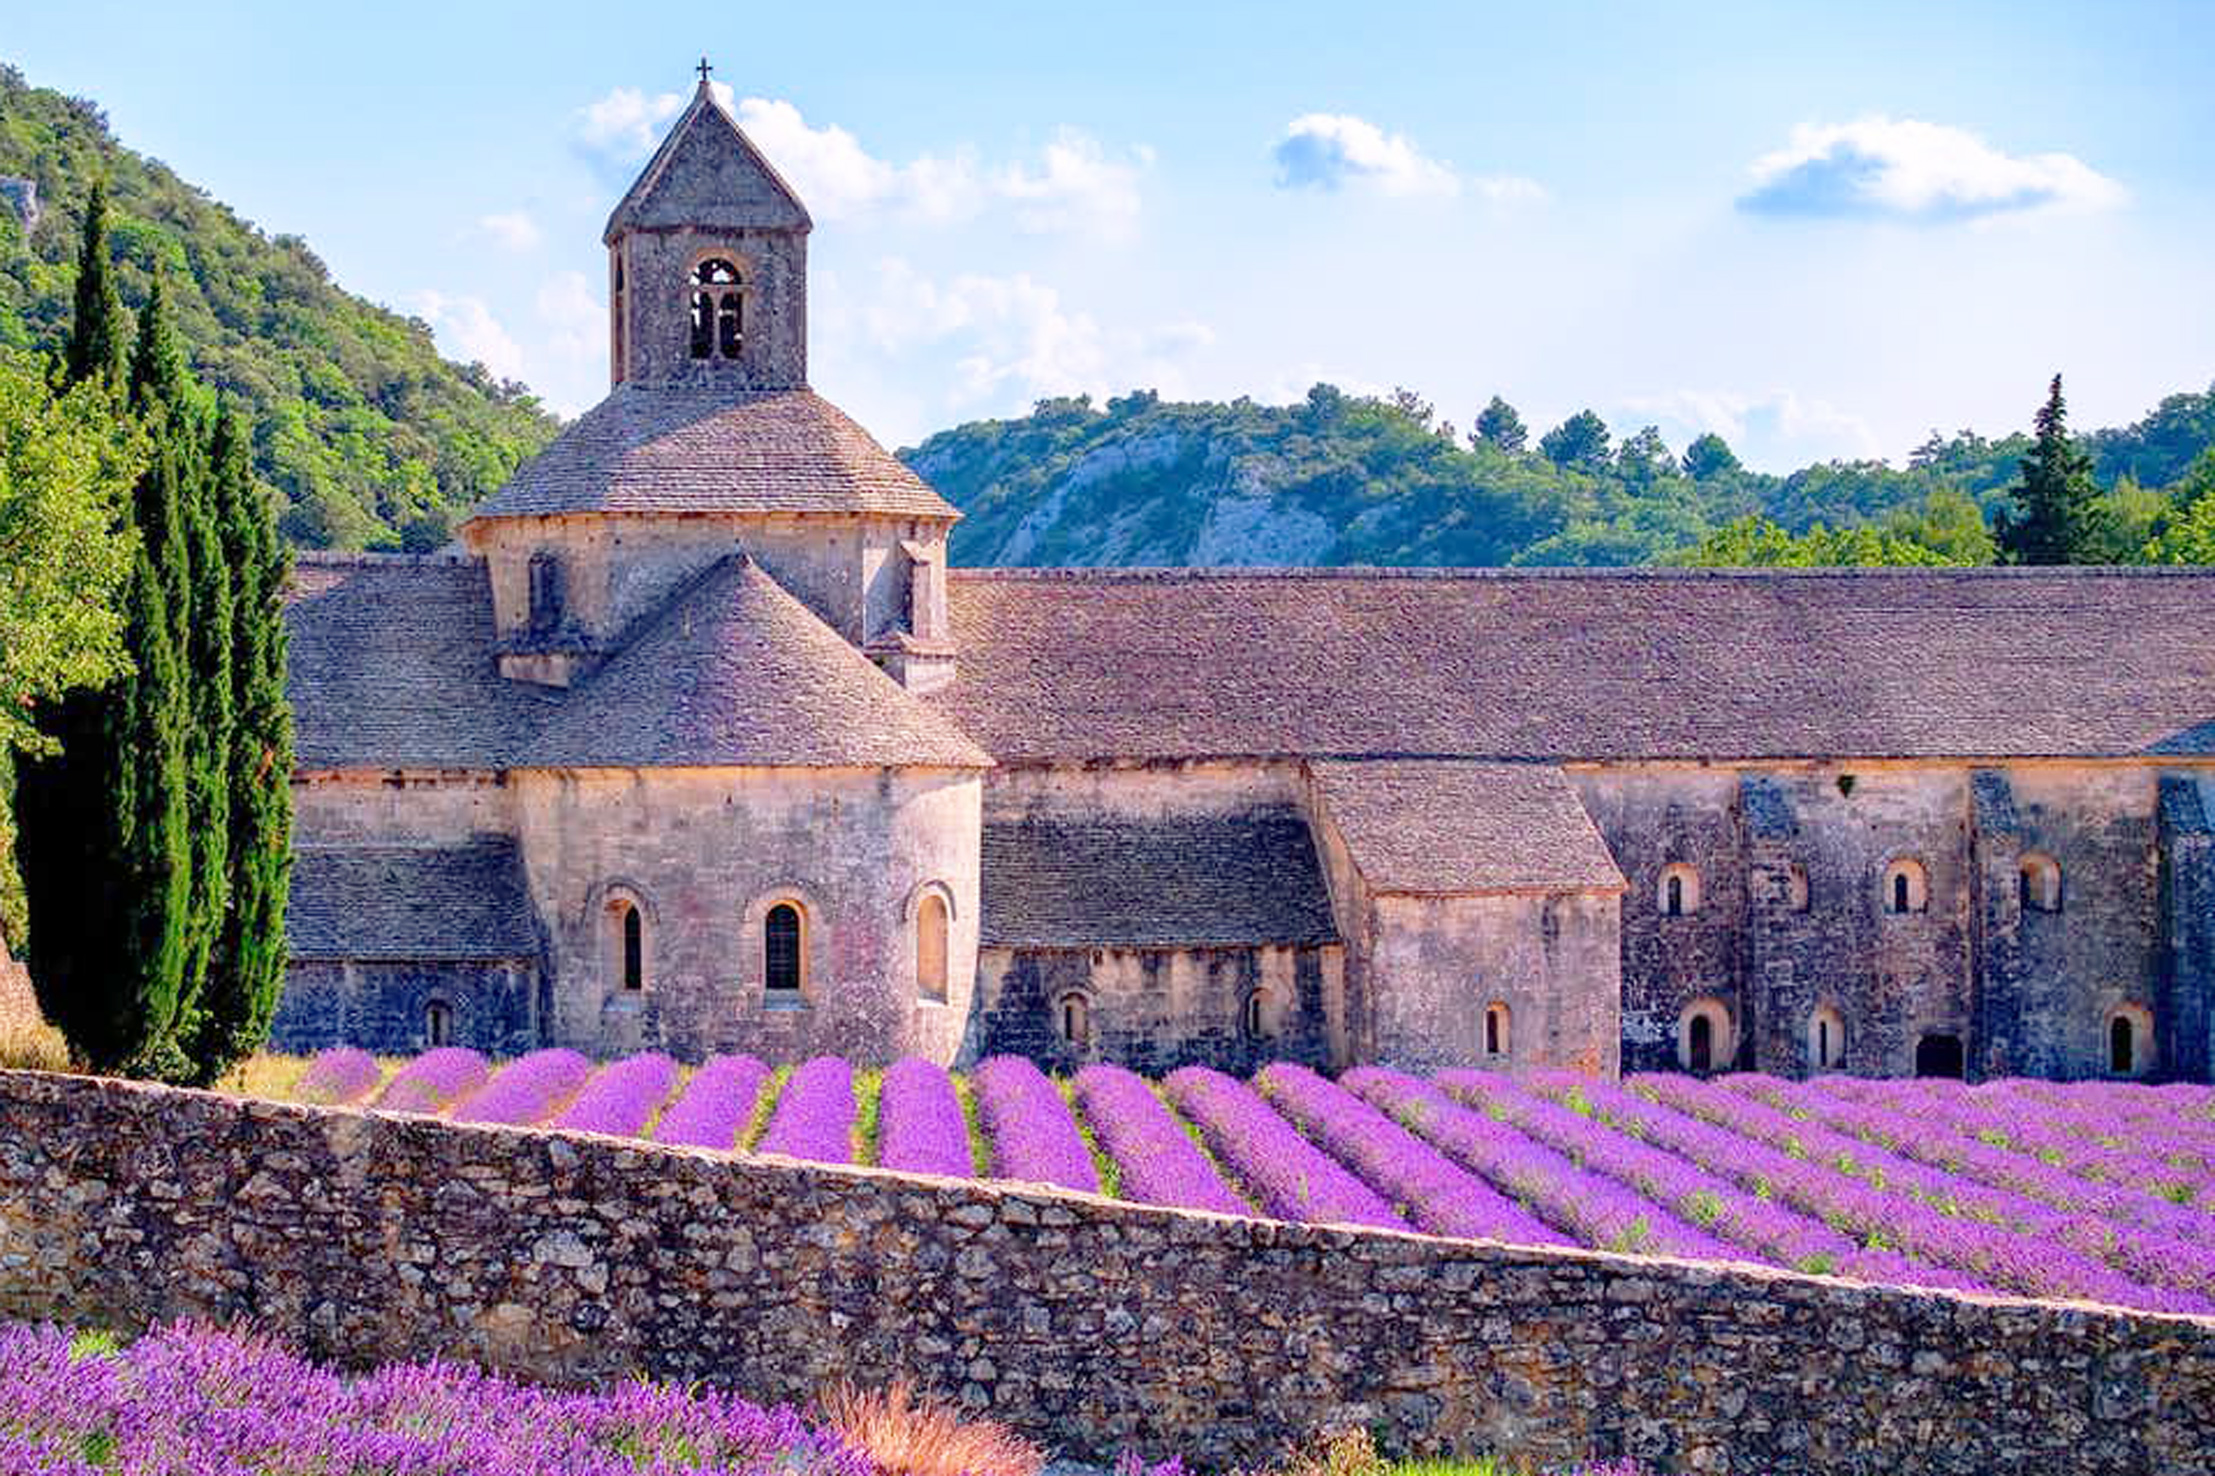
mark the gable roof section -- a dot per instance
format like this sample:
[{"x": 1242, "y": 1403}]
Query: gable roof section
[
  {"x": 1153, "y": 882},
  {"x": 708, "y": 173},
  {"x": 735, "y": 671},
  {"x": 1574, "y": 664},
  {"x": 411, "y": 902},
  {"x": 391, "y": 666},
  {"x": 685, "y": 450},
  {"x": 1453, "y": 827}
]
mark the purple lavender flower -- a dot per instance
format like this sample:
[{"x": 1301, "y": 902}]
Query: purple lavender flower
[
  {"x": 1438, "y": 1195},
  {"x": 1156, "y": 1161},
  {"x": 1598, "y": 1211},
  {"x": 921, "y": 1127},
  {"x": 620, "y": 1099},
  {"x": 434, "y": 1081},
  {"x": 527, "y": 1090},
  {"x": 814, "y": 1119},
  {"x": 1034, "y": 1136},
  {"x": 338, "y": 1076},
  {"x": 182, "y": 1399},
  {"x": 715, "y": 1105},
  {"x": 1286, "y": 1174}
]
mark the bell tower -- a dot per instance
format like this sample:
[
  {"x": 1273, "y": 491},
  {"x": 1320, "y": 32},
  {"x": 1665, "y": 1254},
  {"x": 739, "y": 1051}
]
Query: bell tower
[{"x": 708, "y": 264}]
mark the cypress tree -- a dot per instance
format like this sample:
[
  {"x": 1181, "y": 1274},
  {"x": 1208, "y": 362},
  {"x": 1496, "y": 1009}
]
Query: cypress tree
[
  {"x": 106, "y": 845},
  {"x": 247, "y": 972},
  {"x": 94, "y": 349},
  {"x": 2058, "y": 517},
  {"x": 198, "y": 587}
]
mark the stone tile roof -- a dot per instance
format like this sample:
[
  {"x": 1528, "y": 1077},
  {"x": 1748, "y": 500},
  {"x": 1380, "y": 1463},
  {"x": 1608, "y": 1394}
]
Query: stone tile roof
[
  {"x": 392, "y": 666},
  {"x": 402, "y": 902},
  {"x": 1574, "y": 664},
  {"x": 1175, "y": 881},
  {"x": 736, "y": 671},
  {"x": 1439, "y": 827},
  {"x": 707, "y": 174},
  {"x": 685, "y": 449}
]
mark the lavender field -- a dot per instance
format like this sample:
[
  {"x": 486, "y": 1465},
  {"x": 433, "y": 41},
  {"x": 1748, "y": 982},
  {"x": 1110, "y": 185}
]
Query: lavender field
[{"x": 2095, "y": 1191}]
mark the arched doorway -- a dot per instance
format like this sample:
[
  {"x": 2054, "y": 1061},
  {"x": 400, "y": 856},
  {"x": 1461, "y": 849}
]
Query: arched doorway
[
  {"x": 1939, "y": 1055},
  {"x": 1700, "y": 1044}
]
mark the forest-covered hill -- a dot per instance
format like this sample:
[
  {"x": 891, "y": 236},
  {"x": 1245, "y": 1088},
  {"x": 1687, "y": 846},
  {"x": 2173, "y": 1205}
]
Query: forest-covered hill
[
  {"x": 372, "y": 439},
  {"x": 1340, "y": 479}
]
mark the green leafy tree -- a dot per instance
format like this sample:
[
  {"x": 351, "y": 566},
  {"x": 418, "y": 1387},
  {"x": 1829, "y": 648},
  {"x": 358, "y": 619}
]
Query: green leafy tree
[
  {"x": 2056, "y": 516},
  {"x": 1499, "y": 425},
  {"x": 66, "y": 468},
  {"x": 1580, "y": 442},
  {"x": 1710, "y": 456},
  {"x": 247, "y": 971},
  {"x": 1948, "y": 523},
  {"x": 2187, "y": 534},
  {"x": 106, "y": 845},
  {"x": 1645, "y": 457},
  {"x": 1755, "y": 542}
]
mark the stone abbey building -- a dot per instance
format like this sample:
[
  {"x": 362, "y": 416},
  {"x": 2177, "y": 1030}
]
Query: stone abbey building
[{"x": 700, "y": 745}]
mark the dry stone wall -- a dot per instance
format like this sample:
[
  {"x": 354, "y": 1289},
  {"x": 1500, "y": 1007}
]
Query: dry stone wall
[{"x": 1088, "y": 1324}]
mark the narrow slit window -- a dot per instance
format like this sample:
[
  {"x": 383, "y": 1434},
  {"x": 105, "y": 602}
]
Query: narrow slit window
[
  {"x": 634, "y": 950},
  {"x": 438, "y": 1023}
]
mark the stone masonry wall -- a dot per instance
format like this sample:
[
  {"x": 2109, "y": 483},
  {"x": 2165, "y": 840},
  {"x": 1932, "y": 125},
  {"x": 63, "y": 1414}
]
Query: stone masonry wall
[{"x": 1087, "y": 1324}]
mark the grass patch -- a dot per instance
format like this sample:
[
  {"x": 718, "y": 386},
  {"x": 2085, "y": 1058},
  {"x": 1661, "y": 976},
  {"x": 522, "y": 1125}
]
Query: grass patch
[
  {"x": 764, "y": 1105},
  {"x": 33, "y": 1046},
  {"x": 980, "y": 1143},
  {"x": 868, "y": 1110},
  {"x": 1103, "y": 1164}
]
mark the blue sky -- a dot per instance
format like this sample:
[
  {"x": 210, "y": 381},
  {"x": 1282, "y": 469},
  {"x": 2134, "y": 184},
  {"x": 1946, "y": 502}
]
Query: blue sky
[{"x": 1820, "y": 230}]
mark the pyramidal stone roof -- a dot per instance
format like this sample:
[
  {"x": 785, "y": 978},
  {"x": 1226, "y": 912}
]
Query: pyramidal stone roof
[
  {"x": 707, "y": 174},
  {"x": 736, "y": 672},
  {"x": 682, "y": 450}
]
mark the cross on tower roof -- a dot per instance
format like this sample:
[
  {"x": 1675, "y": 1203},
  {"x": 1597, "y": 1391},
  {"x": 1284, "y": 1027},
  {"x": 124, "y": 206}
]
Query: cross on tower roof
[{"x": 704, "y": 69}]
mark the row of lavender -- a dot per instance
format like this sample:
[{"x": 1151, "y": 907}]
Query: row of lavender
[{"x": 2098, "y": 1192}]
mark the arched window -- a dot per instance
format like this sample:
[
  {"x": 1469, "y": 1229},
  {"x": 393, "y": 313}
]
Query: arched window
[
  {"x": 1703, "y": 1036},
  {"x": 1905, "y": 887},
  {"x": 2040, "y": 876},
  {"x": 546, "y": 590},
  {"x": 1939, "y": 1055},
  {"x": 783, "y": 958},
  {"x": 1796, "y": 894},
  {"x": 1826, "y": 1039},
  {"x": 1679, "y": 893},
  {"x": 1073, "y": 1018},
  {"x": 1256, "y": 1019},
  {"x": 718, "y": 309},
  {"x": 1497, "y": 1039},
  {"x": 2129, "y": 1040},
  {"x": 438, "y": 1023},
  {"x": 930, "y": 947},
  {"x": 634, "y": 949}
]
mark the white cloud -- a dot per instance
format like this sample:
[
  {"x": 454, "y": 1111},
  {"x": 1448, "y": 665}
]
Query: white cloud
[
  {"x": 513, "y": 230},
  {"x": 466, "y": 330},
  {"x": 1073, "y": 184},
  {"x": 1908, "y": 169},
  {"x": 575, "y": 319},
  {"x": 1012, "y": 338},
  {"x": 626, "y": 122},
  {"x": 1077, "y": 187},
  {"x": 1328, "y": 151},
  {"x": 1771, "y": 427}
]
